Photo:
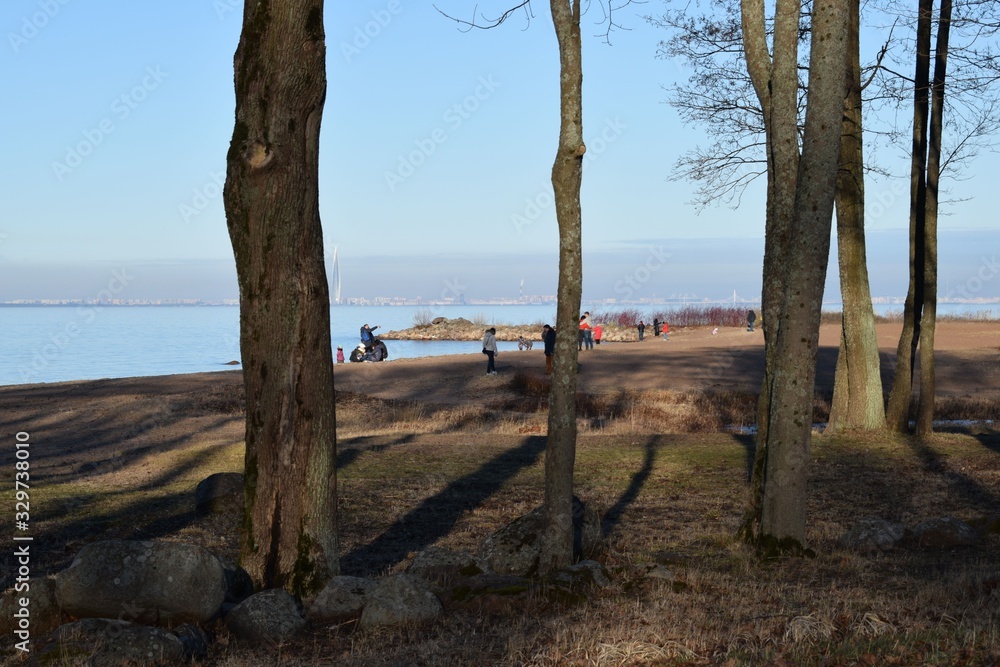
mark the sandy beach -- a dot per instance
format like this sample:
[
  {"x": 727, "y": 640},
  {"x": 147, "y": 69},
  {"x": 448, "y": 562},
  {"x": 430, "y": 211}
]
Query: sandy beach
[{"x": 967, "y": 354}]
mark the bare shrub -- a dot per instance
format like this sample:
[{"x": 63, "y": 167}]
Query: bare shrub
[{"x": 423, "y": 318}]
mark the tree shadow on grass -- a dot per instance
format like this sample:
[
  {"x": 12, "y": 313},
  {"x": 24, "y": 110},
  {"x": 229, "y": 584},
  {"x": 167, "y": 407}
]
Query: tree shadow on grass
[
  {"x": 137, "y": 513},
  {"x": 349, "y": 451},
  {"x": 435, "y": 517},
  {"x": 959, "y": 483},
  {"x": 614, "y": 514}
]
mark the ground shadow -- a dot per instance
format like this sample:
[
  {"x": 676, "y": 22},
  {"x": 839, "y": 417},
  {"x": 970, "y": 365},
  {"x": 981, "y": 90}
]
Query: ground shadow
[
  {"x": 614, "y": 514},
  {"x": 435, "y": 517}
]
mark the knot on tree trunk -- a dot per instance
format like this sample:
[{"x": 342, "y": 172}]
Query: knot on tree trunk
[
  {"x": 256, "y": 154},
  {"x": 581, "y": 150}
]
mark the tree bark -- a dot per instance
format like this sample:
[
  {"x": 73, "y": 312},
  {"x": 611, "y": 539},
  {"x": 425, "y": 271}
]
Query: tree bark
[
  {"x": 857, "y": 394},
  {"x": 901, "y": 395},
  {"x": 775, "y": 82},
  {"x": 567, "y": 177},
  {"x": 783, "y": 83},
  {"x": 272, "y": 211},
  {"x": 928, "y": 317},
  {"x": 804, "y": 260}
]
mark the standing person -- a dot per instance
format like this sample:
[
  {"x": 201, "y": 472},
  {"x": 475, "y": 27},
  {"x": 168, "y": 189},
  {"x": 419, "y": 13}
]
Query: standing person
[
  {"x": 588, "y": 332},
  {"x": 340, "y": 354},
  {"x": 751, "y": 318},
  {"x": 598, "y": 332},
  {"x": 666, "y": 329},
  {"x": 490, "y": 349},
  {"x": 656, "y": 328},
  {"x": 642, "y": 329},
  {"x": 584, "y": 333},
  {"x": 549, "y": 342},
  {"x": 367, "y": 337}
]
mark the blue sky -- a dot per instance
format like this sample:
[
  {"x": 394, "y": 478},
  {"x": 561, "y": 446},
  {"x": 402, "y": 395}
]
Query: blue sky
[{"x": 436, "y": 150}]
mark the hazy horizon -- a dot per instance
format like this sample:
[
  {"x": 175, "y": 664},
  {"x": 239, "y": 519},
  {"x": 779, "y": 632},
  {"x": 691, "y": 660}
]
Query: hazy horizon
[{"x": 647, "y": 269}]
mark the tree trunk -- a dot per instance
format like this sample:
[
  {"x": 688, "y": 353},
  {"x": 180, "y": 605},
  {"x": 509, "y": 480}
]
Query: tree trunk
[
  {"x": 900, "y": 397},
  {"x": 784, "y": 149},
  {"x": 857, "y": 395},
  {"x": 567, "y": 176},
  {"x": 272, "y": 211},
  {"x": 776, "y": 85},
  {"x": 925, "y": 407},
  {"x": 789, "y": 427}
]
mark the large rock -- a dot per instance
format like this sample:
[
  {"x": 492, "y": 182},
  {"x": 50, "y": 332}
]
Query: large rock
[
  {"x": 164, "y": 583},
  {"x": 401, "y": 599},
  {"x": 269, "y": 617},
  {"x": 945, "y": 533},
  {"x": 220, "y": 493},
  {"x": 103, "y": 642},
  {"x": 443, "y": 567},
  {"x": 342, "y": 599},
  {"x": 873, "y": 536},
  {"x": 515, "y": 548},
  {"x": 239, "y": 584}
]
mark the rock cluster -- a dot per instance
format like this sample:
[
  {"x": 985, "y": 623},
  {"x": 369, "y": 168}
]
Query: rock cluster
[
  {"x": 442, "y": 328},
  {"x": 147, "y": 601},
  {"x": 874, "y": 535}
]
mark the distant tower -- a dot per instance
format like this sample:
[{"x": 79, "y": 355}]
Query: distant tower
[
  {"x": 521, "y": 291},
  {"x": 335, "y": 279}
]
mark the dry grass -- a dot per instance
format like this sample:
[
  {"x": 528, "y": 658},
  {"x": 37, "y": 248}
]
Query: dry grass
[
  {"x": 985, "y": 315},
  {"x": 426, "y": 475}
]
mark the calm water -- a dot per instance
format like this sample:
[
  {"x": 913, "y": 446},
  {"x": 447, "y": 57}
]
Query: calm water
[{"x": 55, "y": 344}]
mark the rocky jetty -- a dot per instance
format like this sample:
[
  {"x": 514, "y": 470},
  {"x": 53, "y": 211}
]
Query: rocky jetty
[{"x": 443, "y": 328}]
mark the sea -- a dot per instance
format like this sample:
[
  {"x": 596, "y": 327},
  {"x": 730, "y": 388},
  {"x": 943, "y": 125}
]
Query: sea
[{"x": 89, "y": 342}]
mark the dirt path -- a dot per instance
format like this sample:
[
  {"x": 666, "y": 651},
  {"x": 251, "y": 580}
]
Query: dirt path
[{"x": 968, "y": 363}]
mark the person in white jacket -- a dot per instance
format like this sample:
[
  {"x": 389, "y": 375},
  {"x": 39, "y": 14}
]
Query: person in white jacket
[{"x": 490, "y": 349}]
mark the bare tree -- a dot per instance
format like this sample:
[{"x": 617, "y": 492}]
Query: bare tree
[
  {"x": 898, "y": 414},
  {"x": 857, "y": 391},
  {"x": 567, "y": 179},
  {"x": 799, "y": 218},
  {"x": 272, "y": 211},
  {"x": 719, "y": 96}
]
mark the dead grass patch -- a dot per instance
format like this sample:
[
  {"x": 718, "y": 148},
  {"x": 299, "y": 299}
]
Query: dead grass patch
[{"x": 448, "y": 476}]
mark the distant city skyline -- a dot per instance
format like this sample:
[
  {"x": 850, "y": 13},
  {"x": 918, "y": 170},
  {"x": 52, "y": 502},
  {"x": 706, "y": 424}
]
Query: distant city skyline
[{"x": 657, "y": 269}]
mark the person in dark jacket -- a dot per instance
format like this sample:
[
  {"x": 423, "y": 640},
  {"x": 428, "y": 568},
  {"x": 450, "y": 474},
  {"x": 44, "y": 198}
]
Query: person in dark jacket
[
  {"x": 549, "y": 341},
  {"x": 751, "y": 318},
  {"x": 367, "y": 337},
  {"x": 642, "y": 329}
]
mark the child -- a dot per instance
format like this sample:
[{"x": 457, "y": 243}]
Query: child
[{"x": 340, "y": 354}]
